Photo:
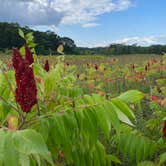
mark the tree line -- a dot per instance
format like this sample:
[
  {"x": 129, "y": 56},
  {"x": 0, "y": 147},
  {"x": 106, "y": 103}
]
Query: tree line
[
  {"x": 122, "y": 49},
  {"x": 47, "y": 43}
]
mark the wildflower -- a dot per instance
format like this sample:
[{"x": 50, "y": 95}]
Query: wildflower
[
  {"x": 133, "y": 66},
  {"x": 159, "y": 90},
  {"x": 29, "y": 56},
  {"x": 78, "y": 76},
  {"x": 114, "y": 61},
  {"x": 46, "y": 66},
  {"x": 164, "y": 129},
  {"x": 154, "y": 98},
  {"x": 88, "y": 65},
  {"x": 163, "y": 103},
  {"x": 26, "y": 91},
  {"x": 96, "y": 67},
  {"x": 146, "y": 68}
]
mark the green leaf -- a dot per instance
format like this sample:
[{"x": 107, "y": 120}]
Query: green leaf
[
  {"x": 29, "y": 37},
  {"x": 123, "y": 108},
  {"x": 112, "y": 158},
  {"x": 135, "y": 146},
  {"x": 24, "y": 160},
  {"x": 112, "y": 115},
  {"x": 44, "y": 128},
  {"x": 162, "y": 158},
  {"x": 2, "y": 144},
  {"x": 146, "y": 163},
  {"x": 123, "y": 118},
  {"x": 11, "y": 156},
  {"x": 60, "y": 49},
  {"x": 7, "y": 149},
  {"x": 22, "y": 50},
  {"x": 21, "y": 33},
  {"x": 131, "y": 96},
  {"x": 30, "y": 142}
]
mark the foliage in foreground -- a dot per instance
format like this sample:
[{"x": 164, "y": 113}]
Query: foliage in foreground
[
  {"x": 68, "y": 126},
  {"x": 64, "y": 125}
]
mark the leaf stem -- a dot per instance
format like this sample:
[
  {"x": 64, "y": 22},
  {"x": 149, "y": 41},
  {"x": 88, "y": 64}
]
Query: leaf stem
[{"x": 23, "y": 118}]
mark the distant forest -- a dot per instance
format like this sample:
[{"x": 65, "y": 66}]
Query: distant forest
[{"x": 48, "y": 42}]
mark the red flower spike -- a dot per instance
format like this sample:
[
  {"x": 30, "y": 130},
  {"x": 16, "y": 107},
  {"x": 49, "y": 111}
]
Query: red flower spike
[
  {"x": 164, "y": 129},
  {"x": 96, "y": 67},
  {"x": 46, "y": 66},
  {"x": 26, "y": 91},
  {"x": 154, "y": 98},
  {"x": 16, "y": 58},
  {"x": 159, "y": 90},
  {"x": 29, "y": 56},
  {"x": 78, "y": 76},
  {"x": 133, "y": 66}
]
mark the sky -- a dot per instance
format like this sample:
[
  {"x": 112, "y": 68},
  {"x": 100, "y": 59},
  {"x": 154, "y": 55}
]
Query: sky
[{"x": 92, "y": 23}]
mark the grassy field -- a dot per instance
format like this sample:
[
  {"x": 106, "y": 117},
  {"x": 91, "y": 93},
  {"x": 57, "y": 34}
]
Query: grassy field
[
  {"x": 94, "y": 59},
  {"x": 98, "y": 59},
  {"x": 108, "y": 73},
  {"x": 124, "y": 95}
]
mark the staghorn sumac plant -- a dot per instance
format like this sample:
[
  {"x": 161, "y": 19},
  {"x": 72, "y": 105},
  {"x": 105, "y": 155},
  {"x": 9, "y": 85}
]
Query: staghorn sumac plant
[
  {"x": 46, "y": 66},
  {"x": 26, "y": 91},
  {"x": 47, "y": 119}
]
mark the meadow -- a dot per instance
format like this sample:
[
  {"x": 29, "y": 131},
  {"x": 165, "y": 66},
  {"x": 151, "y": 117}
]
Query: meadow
[
  {"x": 80, "y": 60},
  {"x": 82, "y": 110}
]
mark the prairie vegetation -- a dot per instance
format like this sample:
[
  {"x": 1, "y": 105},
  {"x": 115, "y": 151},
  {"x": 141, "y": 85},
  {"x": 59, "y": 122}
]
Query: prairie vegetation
[{"x": 82, "y": 110}]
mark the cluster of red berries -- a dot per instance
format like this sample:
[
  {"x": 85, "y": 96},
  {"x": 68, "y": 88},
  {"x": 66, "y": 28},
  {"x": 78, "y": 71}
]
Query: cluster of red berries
[
  {"x": 46, "y": 66},
  {"x": 26, "y": 91},
  {"x": 96, "y": 67}
]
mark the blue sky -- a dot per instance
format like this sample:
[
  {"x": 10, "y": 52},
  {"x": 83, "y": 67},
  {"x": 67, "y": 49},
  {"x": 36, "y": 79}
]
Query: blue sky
[{"x": 93, "y": 22}]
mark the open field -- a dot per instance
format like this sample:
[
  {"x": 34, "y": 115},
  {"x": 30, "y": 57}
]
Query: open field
[
  {"x": 94, "y": 59},
  {"x": 110, "y": 106}
]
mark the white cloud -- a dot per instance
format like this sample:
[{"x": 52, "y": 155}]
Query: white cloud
[
  {"x": 90, "y": 25},
  {"x": 144, "y": 41},
  {"x": 34, "y": 12},
  {"x": 141, "y": 41},
  {"x": 93, "y": 44},
  {"x": 123, "y": 4},
  {"x": 54, "y": 12},
  {"x": 85, "y": 12},
  {"x": 44, "y": 28}
]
